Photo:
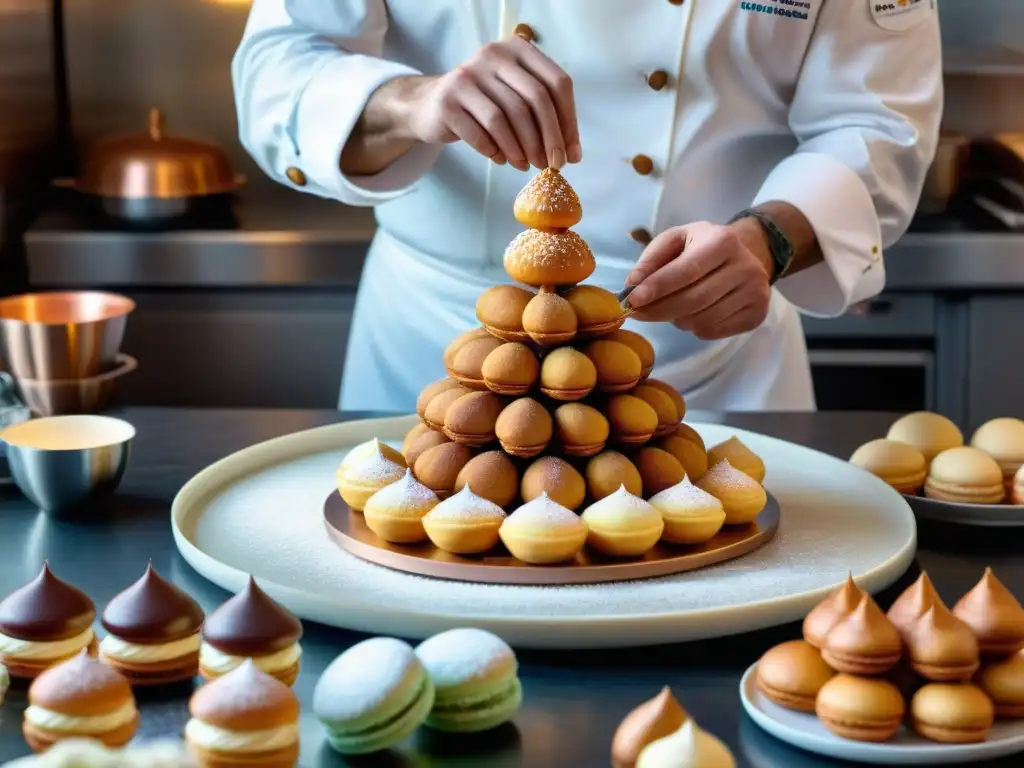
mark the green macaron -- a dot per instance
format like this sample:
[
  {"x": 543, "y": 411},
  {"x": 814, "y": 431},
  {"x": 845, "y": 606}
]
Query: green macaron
[
  {"x": 372, "y": 696},
  {"x": 475, "y": 680}
]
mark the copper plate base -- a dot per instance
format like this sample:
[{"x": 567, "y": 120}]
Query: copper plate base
[{"x": 349, "y": 531}]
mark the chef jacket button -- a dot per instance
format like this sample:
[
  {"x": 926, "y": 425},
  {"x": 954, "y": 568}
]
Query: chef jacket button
[
  {"x": 641, "y": 235},
  {"x": 296, "y": 177},
  {"x": 524, "y": 31},
  {"x": 658, "y": 79},
  {"x": 875, "y": 253},
  {"x": 677, "y": 2},
  {"x": 642, "y": 164}
]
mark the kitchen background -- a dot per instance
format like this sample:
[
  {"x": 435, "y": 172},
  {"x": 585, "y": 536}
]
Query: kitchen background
[{"x": 274, "y": 283}]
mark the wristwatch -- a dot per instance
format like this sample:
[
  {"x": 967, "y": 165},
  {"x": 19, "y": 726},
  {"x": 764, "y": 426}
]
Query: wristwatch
[{"x": 778, "y": 244}]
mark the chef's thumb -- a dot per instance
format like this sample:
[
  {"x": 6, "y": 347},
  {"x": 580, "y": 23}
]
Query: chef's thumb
[{"x": 659, "y": 252}]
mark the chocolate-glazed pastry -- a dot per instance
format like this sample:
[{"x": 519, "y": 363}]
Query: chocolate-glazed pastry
[
  {"x": 251, "y": 625},
  {"x": 43, "y": 623},
  {"x": 154, "y": 632}
]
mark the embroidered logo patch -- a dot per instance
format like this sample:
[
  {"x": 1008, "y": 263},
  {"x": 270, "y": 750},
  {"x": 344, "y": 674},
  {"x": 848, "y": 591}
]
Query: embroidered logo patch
[
  {"x": 789, "y": 9},
  {"x": 899, "y": 15}
]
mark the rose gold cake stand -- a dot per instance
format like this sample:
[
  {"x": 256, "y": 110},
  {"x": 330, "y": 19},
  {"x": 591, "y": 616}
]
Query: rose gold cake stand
[{"x": 349, "y": 531}]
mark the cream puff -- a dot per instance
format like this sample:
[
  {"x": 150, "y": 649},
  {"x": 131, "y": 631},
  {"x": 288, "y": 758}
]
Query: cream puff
[
  {"x": 1003, "y": 440},
  {"x": 556, "y": 478},
  {"x": 500, "y": 310},
  {"x": 742, "y": 497},
  {"x": 994, "y": 615},
  {"x": 361, "y": 477},
  {"x": 567, "y": 374},
  {"x": 900, "y": 465},
  {"x": 690, "y": 745},
  {"x": 965, "y": 475},
  {"x": 739, "y": 456},
  {"x": 650, "y": 721},
  {"x": 548, "y": 202},
  {"x": 549, "y": 319},
  {"x": 622, "y": 525},
  {"x": 658, "y": 469},
  {"x": 930, "y": 433},
  {"x": 512, "y": 369},
  {"x": 663, "y": 405},
  {"x": 609, "y": 470},
  {"x": 645, "y": 351},
  {"x": 437, "y": 408},
  {"x": 466, "y": 365},
  {"x": 941, "y": 647},
  {"x": 598, "y": 312},
  {"x": 912, "y": 604},
  {"x": 492, "y": 475},
  {"x": 524, "y": 428},
  {"x": 689, "y": 453},
  {"x": 792, "y": 674},
  {"x": 439, "y": 467},
  {"x": 464, "y": 523},
  {"x": 951, "y": 713},
  {"x": 1002, "y": 681},
  {"x": 691, "y": 516},
  {"x": 632, "y": 421},
  {"x": 582, "y": 430},
  {"x": 860, "y": 708},
  {"x": 374, "y": 446},
  {"x": 864, "y": 642},
  {"x": 618, "y": 367},
  {"x": 840, "y": 603},
  {"x": 395, "y": 512},
  {"x": 540, "y": 258},
  {"x": 471, "y": 419},
  {"x": 543, "y": 532}
]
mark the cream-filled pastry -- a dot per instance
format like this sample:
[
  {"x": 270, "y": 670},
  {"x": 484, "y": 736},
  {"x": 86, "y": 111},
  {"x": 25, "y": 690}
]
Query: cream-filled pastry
[
  {"x": 542, "y": 532},
  {"x": 395, "y": 512},
  {"x": 689, "y": 747},
  {"x": 739, "y": 456},
  {"x": 372, "y": 469},
  {"x": 742, "y": 497},
  {"x": 692, "y": 516},
  {"x": 622, "y": 525},
  {"x": 464, "y": 523}
]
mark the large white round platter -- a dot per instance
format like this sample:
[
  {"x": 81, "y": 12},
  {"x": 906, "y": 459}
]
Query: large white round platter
[
  {"x": 983, "y": 515},
  {"x": 259, "y": 511},
  {"x": 805, "y": 731}
]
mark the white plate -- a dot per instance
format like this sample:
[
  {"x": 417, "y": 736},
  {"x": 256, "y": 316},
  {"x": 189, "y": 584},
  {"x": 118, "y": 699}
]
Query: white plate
[
  {"x": 260, "y": 511},
  {"x": 805, "y": 731},
  {"x": 984, "y": 515}
]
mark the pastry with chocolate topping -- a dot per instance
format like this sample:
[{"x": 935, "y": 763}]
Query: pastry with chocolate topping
[
  {"x": 43, "y": 623},
  {"x": 251, "y": 625},
  {"x": 154, "y": 632}
]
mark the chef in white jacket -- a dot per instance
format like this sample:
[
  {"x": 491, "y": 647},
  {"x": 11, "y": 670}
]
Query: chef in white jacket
[{"x": 737, "y": 161}]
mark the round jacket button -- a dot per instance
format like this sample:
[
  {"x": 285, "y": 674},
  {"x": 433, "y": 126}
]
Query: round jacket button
[
  {"x": 658, "y": 79},
  {"x": 524, "y": 31},
  {"x": 641, "y": 235},
  {"x": 677, "y": 2},
  {"x": 642, "y": 164},
  {"x": 296, "y": 177}
]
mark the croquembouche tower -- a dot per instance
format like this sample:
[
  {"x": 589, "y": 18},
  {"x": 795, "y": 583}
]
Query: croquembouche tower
[{"x": 549, "y": 402}]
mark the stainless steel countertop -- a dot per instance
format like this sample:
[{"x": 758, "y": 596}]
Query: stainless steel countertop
[{"x": 290, "y": 241}]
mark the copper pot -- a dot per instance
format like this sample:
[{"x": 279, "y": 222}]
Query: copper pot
[{"x": 155, "y": 178}]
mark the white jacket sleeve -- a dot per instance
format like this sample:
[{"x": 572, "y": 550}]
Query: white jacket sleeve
[
  {"x": 866, "y": 114},
  {"x": 302, "y": 76}
]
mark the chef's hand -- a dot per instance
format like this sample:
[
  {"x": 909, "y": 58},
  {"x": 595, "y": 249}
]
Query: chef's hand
[{"x": 705, "y": 278}]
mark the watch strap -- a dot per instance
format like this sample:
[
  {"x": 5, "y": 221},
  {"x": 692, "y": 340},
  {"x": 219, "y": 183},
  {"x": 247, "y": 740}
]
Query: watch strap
[{"x": 778, "y": 244}]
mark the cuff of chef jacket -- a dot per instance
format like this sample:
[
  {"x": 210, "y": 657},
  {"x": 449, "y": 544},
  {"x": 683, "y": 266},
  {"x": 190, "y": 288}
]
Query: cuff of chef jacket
[
  {"x": 328, "y": 110},
  {"x": 840, "y": 209}
]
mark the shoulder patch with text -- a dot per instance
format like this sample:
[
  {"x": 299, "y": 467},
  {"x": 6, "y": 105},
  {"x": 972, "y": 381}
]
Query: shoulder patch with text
[{"x": 900, "y": 15}]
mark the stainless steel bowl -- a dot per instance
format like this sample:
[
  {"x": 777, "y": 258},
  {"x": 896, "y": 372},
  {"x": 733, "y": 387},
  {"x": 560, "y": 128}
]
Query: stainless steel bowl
[
  {"x": 62, "y": 335},
  {"x": 65, "y": 464},
  {"x": 59, "y": 398}
]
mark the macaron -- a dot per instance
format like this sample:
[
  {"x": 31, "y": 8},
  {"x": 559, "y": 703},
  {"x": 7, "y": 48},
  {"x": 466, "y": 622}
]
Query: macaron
[
  {"x": 79, "y": 698},
  {"x": 930, "y": 433},
  {"x": 373, "y": 696},
  {"x": 475, "y": 679},
  {"x": 791, "y": 674},
  {"x": 994, "y": 615},
  {"x": 860, "y": 708},
  {"x": 1003, "y": 682},
  {"x": 951, "y": 713},
  {"x": 654, "y": 719},
  {"x": 900, "y": 465},
  {"x": 1003, "y": 440},
  {"x": 245, "y": 717},
  {"x": 965, "y": 475},
  {"x": 864, "y": 642}
]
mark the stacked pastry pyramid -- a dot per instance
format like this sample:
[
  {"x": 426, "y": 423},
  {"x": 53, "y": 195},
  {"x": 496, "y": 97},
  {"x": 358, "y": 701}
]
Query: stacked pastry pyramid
[{"x": 549, "y": 403}]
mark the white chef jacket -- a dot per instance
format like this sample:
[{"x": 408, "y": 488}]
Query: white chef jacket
[{"x": 830, "y": 105}]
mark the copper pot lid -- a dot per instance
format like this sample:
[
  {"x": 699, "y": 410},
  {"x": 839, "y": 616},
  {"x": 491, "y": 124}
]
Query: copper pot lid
[{"x": 156, "y": 165}]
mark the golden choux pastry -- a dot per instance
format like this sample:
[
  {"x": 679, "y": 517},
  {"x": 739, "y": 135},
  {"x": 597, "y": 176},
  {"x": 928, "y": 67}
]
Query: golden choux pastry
[
  {"x": 549, "y": 319},
  {"x": 663, "y": 405},
  {"x": 618, "y": 367},
  {"x": 468, "y": 362},
  {"x": 543, "y": 532},
  {"x": 791, "y": 674},
  {"x": 1017, "y": 487},
  {"x": 622, "y": 524},
  {"x": 369, "y": 448},
  {"x": 437, "y": 408},
  {"x": 912, "y": 604},
  {"x": 395, "y": 512},
  {"x": 610, "y": 469},
  {"x": 690, "y": 745},
  {"x": 899, "y": 464},
  {"x": 492, "y": 475},
  {"x": 632, "y": 420},
  {"x": 438, "y": 467},
  {"x": 1002, "y": 680},
  {"x": 464, "y": 523},
  {"x": 839, "y": 604},
  {"x": 1003, "y": 440},
  {"x": 556, "y": 478},
  {"x": 951, "y": 713},
  {"x": 742, "y": 497},
  {"x": 691, "y": 516},
  {"x": 739, "y": 455},
  {"x": 930, "y": 433},
  {"x": 597, "y": 311},
  {"x": 368, "y": 472},
  {"x": 688, "y": 453},
  {"x": 581, "y": 429},
  {"x": 470, "y": 420},
  {"x": 548, "y": 202},
  {"x": 687, "y": 432},
  {"x": 965, "y": 475},
  {"x": 500, "y": 310},
  {"x": 645, "y": 351},
  {"x": 539, "y": 258},
  {"x": 567, "y": 374},
  {"x": 524, "y": 428},
  {"x": 511, "y": 369},
  {"x": 860, "y": 708},
  {"x": 864, "y": 642},
  {"x": 424, "y": 443},
  {"x": 460, "y": 341},
  {"x": 942, "y": 648},
  {"x": 411, "y": 436},
  {"x": 430, "y": 391},
  {"x": 994, "y": 615},
  {"x": 658, "y": 469},
  {"x": 650, "y": 721}
]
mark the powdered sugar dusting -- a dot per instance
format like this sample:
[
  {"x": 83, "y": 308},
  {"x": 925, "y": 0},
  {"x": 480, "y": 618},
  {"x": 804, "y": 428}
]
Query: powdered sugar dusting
[
  {"x": 249, "y": 689},
  {"x": 406, "y": 493},
  {"x": 466, "y": 505},
  {"x": 685, "y": 494},
  {"x": 621, "y": 507},
  {"x": 724, "y": 476},
  {"x": 548, "y": 191},
  {"x": 361, "y": 678},
  {"x": 374, "y": 469},
  {"x": 548, "y": 250},
  {"x": 464, "y": 654},
  {"x": 545, "y": 511}
]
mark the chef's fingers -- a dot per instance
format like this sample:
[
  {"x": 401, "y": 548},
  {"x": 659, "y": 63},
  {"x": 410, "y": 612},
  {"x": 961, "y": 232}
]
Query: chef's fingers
[
  {"x": 681, "y": 272},
  {"x": 559, "y": 84},
  {"x": 742, "y": 320},
  {"x": 465, "y": 126},
  {"x": 691, "y": 300},
  {"x": 659, "y": 252},
  {"x": 519, "y": 115},
  {"x": 721, "y": 310},
  {"x": 536, "y": 95},
  {"x": 491, "y": 117}
]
